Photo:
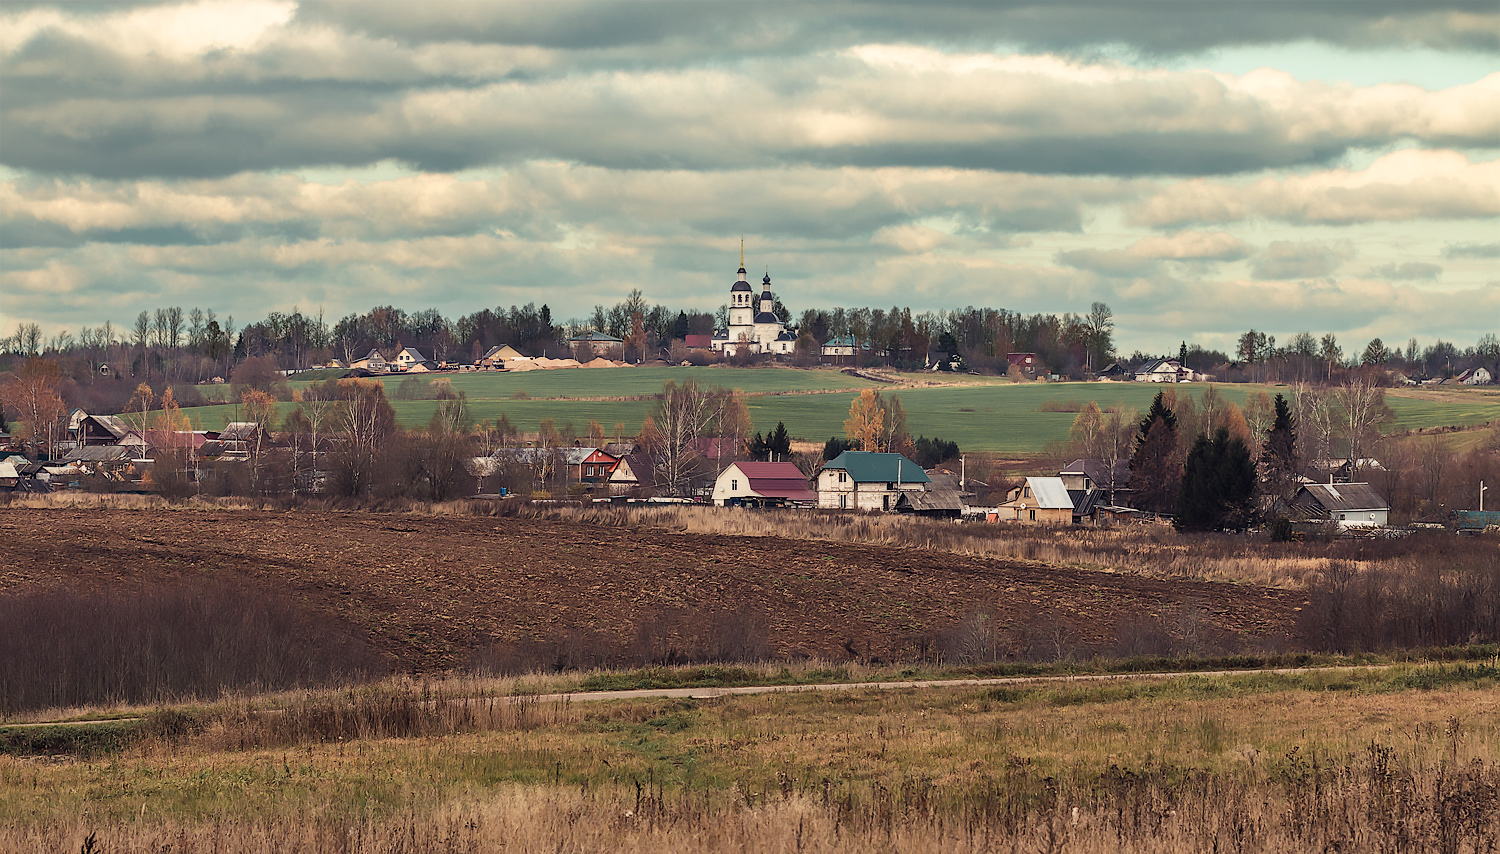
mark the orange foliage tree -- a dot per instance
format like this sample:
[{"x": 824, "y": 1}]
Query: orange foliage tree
[
  {"x": 866, "y": 422},
  {"x": 33, "y": 393}
]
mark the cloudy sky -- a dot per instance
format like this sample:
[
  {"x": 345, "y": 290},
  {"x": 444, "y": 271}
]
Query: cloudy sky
[{"x": 1203, "y": 168}]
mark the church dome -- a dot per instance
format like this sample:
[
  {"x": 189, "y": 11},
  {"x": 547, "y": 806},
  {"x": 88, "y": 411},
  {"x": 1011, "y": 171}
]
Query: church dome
[
  {"x": 741, "y": 285},
  {"x": 767, "y": 317}
]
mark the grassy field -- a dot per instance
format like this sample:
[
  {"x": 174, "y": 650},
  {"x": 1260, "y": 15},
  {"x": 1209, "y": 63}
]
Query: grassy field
[
  {"x": 988, "y": 415},
  {"x": 1402, "y": 759}
]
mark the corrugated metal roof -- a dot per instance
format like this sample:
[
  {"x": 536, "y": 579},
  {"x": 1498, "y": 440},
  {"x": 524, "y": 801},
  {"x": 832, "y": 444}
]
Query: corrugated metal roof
[
  {"x": 776, "y": 480},
  {"x": 99, "y": 454},
  {"x": 1049, "y": 493},
  {"x": 1336, "y": 497},
  {"x": 872, "y": 467}
]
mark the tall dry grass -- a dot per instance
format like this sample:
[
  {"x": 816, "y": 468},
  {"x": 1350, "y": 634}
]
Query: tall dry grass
[{"x": 1374, "y": 763}]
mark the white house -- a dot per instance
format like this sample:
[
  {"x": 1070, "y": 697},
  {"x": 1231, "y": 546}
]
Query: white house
[
  {"x": 1349, "y": 505},
  {"x": 1476, "y": 376},
  {"x": 762, "y": 484},
  {"x": 1163, "y": 371},
  {"x": 865, "y": 480}
]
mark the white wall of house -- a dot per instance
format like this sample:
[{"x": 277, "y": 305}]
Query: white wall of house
[
  {"x": 731, "y": 484},
  {"x": 1360, "y": 518},
  {"x": 838, "y": 491}
]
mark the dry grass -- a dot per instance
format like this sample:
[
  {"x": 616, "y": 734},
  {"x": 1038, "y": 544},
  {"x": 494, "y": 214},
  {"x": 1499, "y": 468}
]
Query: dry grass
[{"x": 1253, "y": 763}]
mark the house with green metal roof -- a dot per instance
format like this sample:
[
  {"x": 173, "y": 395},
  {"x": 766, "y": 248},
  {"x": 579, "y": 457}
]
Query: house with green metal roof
[{"x": 866, "y": 480}]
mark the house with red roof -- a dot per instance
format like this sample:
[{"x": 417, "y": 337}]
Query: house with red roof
[{"x": 755, "y": 484}]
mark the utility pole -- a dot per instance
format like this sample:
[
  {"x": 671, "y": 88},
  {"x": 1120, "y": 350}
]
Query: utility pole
[{"x": 1482, "y": 489}]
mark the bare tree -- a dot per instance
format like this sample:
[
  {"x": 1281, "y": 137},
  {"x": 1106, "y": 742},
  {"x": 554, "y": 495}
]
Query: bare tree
[
  {"x": 1364, "y": 409},
  {"x": 683, "y": 413}
]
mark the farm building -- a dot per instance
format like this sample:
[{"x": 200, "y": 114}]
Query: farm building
[
  {"x": 1349, "y": 505},
  {"x": 761, "y": 485},
  {"x": 1113, "y": 480},
  {"x": 1038, "y": 501},
  {"x": 597, "y": 343},
  {"x": 866, "y": 480},
  {"x": 371, "y": 361},
  {"x": 85, "y": 429}
]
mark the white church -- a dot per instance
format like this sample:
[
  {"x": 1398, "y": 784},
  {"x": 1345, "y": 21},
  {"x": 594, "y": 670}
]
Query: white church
[{"x": 753, "y": 325}]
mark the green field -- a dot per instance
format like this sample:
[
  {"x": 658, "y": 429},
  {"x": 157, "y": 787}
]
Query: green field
[{"x": 994, "y": 416}]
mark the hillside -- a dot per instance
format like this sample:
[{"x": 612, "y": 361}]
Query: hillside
[{"x": 431, "y": 591}]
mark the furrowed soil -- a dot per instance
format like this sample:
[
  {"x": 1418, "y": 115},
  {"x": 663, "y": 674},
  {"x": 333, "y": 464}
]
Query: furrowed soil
[{"x": 431, "y": 591}]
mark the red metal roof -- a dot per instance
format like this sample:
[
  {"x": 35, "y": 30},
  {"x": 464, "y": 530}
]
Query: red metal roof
[{"x": 777, "y": 480}]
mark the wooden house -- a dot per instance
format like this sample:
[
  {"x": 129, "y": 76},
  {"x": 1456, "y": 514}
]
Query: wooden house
[
  {"x": 1347, "y": 505},
  {"x": 1038, "y": 501}
]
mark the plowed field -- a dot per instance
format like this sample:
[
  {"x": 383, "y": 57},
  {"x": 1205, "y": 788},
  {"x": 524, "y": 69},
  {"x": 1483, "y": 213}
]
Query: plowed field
[{"x": 429, "y": 591}]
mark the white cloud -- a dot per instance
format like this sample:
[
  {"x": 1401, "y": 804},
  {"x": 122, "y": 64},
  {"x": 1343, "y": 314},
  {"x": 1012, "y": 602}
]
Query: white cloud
[{"x": 1410, "y": 184}]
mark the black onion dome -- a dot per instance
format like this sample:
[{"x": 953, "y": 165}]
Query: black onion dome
[
  {"x": 767, "y": 317},
  {"x": 741, "y": 285}
]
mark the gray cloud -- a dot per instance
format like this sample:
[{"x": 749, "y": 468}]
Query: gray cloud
[
  {"x": 1285, "y": 259},
  {"x": 98, "y": 101},
  {"x": 1408, "y": 271},
  {"x": 1472, "y": 250},
  {"x": 1152, "y": 27}
]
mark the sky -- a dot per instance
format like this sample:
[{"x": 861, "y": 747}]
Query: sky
[{"x": 1202, "y": 168}]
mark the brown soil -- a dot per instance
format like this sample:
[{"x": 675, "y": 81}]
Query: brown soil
[{"x": 431, "y": 590}]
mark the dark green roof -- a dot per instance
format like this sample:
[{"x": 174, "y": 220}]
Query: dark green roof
[{"x": 870, "y": 467}]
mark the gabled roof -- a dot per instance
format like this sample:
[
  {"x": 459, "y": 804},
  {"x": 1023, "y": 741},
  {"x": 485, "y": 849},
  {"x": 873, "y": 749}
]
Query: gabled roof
[
  {"x": 1098, "y": 472},
  {"x": 596, "y": 338},
  {"x": 239, "y": 431},
  {"x": 99, "y": 454},
  {"x": 873, "y": 467},
  {"x": 1342, "y": 497},
  {"x": 412, "y": 353},
  {"x": 776, "y": 480},
  {"x": 112, "y": 424},
  {"x": 1047, "y": 493}
]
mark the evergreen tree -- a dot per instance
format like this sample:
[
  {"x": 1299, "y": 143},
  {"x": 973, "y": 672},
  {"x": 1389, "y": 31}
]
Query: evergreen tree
[
  {"x": 1218, "y": 484},
  {"x": 837, "y": 445},
  {"x": 1280, "y": 452},
  {"x": 1154, "y": 469}
]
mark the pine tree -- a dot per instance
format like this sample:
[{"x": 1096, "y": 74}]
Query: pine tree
[
  {"x": 1218, "y": 484},
  {"x": 1154, "y": 471}
]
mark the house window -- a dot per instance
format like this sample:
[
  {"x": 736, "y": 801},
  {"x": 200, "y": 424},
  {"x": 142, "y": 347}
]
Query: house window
[
  {"x": 843, "y": 477},
  {"x": 1031, "y": 514},
  {"x": 734, "y": 484},
  {"x": 843, "y": 502},
  {"x": 885, "y": 502}
]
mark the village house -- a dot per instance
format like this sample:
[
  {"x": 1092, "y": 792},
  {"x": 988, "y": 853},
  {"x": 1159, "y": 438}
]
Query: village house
[
  {"x": 756, "y": 484},
  {"x": 1474, "y": 376},
  {"x": 597, "y": 343},
  {"x": 1111, "y": 480},
  {"x": 631, "y": 476},
  {"x": 372, "y": 362},
  {"x": 843, "y": 349},
  {"x": 1347, "y": 505},
  {"x": 1163, "y": 371},
  {"x": 86, "y": 430},
  {"x": 1038, "y": 501},
  {"x": 866, "y": 480},
  {"x": 1026, "y": 363}
]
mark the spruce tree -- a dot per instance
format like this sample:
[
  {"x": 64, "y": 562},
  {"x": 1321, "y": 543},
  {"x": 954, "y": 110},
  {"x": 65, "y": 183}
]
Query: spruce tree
[
  {"x": 1154, "y": 473},
  {"x": 1218, "y": 484},
  {"x": 1280, "y": 452}
]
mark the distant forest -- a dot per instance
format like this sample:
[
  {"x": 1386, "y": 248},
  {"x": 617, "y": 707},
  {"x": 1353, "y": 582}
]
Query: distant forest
[{"x": 173, "y": 346}]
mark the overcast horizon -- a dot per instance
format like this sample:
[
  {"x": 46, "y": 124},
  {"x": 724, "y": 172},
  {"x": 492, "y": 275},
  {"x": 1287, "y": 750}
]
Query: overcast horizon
[{"x": 1202, "y": 168}]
